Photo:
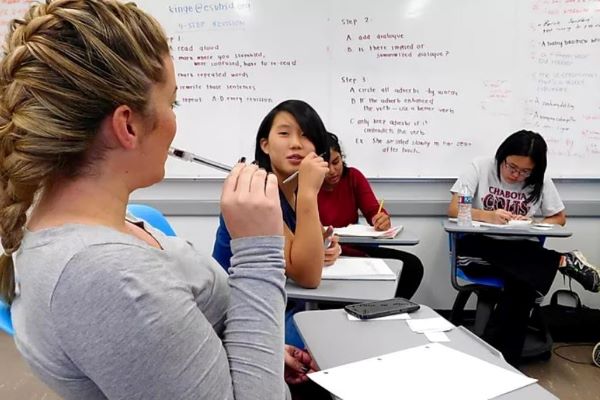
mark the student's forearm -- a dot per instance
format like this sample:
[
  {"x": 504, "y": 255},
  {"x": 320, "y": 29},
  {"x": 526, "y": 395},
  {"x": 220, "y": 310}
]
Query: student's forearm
[
  {"x": 559, "y": 219},
  {"x": 476, "y": 214},
  {"x": 307, "y": 254},
  {"x": 480, "y": 215}
]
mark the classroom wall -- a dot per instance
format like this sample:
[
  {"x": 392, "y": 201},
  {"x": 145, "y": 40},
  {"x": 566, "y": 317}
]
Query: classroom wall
[{"x": 420, "y": 206}]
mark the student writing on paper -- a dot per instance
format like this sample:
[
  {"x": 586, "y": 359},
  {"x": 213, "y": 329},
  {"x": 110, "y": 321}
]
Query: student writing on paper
[
  {"x": 105, "y": 306},
  {"x": 512, "y": 185},
  {"x": 288, "y": 140},
  {"x": 345, "y": 191}
]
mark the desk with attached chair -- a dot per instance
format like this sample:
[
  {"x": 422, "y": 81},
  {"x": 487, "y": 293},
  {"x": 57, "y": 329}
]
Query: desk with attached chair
[{"x": 487, "y": 288}]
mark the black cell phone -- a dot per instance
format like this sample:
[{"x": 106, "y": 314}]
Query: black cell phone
[{"x": 376, "y": 309}]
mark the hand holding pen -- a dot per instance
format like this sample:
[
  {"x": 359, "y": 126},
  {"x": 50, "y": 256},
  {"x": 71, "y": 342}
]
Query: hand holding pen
[
  {"x": 295, "y": 174},
  {"x": 312, "y": 173},
  {"x": 381, "y": 221},
  {"x": 333, "y": 251}
]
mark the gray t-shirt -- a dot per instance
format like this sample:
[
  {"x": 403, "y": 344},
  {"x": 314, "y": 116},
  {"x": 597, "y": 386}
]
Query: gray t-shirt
[
  {"x": 101, "y": 314},
  {"x": 491, "y": 193}
]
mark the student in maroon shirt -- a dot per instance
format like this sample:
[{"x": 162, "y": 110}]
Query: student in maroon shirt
[{"x": 345, "y": 190}]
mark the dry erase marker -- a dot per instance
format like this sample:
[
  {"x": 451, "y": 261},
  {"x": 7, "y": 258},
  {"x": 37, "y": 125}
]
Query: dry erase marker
[
  {"x": 187, "y": 156},
  {"x": 295, "y": 174}
]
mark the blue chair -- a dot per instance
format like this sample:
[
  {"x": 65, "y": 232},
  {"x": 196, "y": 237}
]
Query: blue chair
[
  {"x": 152, "y": 216},
  {"x": 487, "y": 289},
  {"x": 5, "y": 320}
]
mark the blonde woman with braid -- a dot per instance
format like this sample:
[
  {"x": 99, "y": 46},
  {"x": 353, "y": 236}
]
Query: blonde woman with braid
[{"x": 104, "y": 306}]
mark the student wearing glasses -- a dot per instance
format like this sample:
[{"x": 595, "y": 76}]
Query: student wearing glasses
[{"x": 513, "y": 186}]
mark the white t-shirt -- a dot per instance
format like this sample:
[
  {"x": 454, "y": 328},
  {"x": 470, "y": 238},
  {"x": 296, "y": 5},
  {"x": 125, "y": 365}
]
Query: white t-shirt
[{"x": 491, "y": 193}]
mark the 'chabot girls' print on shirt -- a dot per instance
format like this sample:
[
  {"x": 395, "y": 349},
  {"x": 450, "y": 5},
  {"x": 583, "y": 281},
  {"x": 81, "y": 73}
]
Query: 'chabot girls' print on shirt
[{"x": 510, "y": 200}]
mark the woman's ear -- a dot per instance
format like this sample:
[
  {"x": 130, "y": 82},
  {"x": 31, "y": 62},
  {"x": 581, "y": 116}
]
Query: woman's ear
[
  {"x": 125, "y": 127},
  {"x": 264, "y": 145}
]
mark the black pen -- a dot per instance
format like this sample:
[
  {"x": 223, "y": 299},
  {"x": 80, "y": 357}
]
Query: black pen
[{"x": 187, "y": 156}]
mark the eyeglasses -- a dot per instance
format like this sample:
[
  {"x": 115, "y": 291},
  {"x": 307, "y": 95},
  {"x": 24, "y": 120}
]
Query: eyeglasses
[{"x": 513, "y": 169}]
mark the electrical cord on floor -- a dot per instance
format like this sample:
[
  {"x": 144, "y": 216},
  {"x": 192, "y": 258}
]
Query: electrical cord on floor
[{"x": 555, "y": 352}]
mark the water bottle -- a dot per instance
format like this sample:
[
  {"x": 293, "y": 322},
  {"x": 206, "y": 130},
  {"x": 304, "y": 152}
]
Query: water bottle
[{"x": 465, "y": 201}]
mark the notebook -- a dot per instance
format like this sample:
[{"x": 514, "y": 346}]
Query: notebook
[
  {"x": 361, "y": 230},
  {"x": 359, "y": 268}
]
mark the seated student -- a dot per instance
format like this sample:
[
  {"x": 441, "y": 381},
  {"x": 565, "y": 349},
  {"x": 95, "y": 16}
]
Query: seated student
[
  {"x": 288, "y": 140},
  {"x": 510, "y": 186},
  {"x": 345, "y": 190},
  {"x": 105, "y": 306}
]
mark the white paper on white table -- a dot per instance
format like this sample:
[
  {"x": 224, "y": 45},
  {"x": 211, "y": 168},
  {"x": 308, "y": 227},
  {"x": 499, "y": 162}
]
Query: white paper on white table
[
  {"x": 362, "y": 230},
  {"x": 431, "y": 371},
  {"x": 511, "y": 224},
  {"x": 435, "y": 337},
  {"x": 359, "y": 268},
  {"x": 386, "y": 318},
  {"x": 436, "y": 324}
]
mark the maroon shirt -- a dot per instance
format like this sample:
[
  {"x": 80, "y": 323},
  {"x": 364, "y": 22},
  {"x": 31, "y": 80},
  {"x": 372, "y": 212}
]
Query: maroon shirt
[{"x": 339, "y": 207}]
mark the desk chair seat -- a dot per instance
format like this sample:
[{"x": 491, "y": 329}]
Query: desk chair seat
[
  {"x": 5, "y": 319},
  {"x": 487, "y": 288},
  {"x": 152, "y": 216}
]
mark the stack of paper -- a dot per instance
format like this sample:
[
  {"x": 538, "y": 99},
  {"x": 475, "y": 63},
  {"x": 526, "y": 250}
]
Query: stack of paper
[
  {"x": 361, "y": 230},
  {"x": 432, "y": 371},
  {"x": 359, "y": 268}
]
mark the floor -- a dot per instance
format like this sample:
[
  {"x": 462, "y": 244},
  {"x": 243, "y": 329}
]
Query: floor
[{"x": 567, "y": 380}]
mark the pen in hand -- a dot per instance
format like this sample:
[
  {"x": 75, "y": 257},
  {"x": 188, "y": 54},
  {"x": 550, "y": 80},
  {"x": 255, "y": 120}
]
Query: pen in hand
[
  {"x": 328, "y": 233},
  {"x": 187, "y": 156},
  {"x": 380, "y": 206}
]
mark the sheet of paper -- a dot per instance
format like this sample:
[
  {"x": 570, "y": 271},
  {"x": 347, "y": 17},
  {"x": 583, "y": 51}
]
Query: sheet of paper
[
  {"x": 386, "y": 318},
  {"x": 431, "y": 371},
  {"x": 512, "y": 224},
  {"x": 437, "y": 324},
  {"x": 362, "y": 230},
  {"x": 359, "y": 268},
  {"x": 435, "y": 337}
]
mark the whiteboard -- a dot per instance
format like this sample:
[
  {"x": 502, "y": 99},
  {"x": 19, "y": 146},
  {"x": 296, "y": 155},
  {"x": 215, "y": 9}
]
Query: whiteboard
[{"x": 413, "y": 88}]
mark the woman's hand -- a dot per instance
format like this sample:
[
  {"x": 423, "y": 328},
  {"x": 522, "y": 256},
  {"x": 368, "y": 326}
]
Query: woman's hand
[
  {"x": 297, "y": 364},
  {"x": 381, "y": 221},
  {"x": 312, "y": 172},
  {"x": 499, "y": 216},
  {"x": 333, "y": 251},
  {"x": 250, "y": 203}
]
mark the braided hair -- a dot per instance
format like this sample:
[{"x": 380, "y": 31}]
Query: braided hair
[{"x": 66, "y": 66}]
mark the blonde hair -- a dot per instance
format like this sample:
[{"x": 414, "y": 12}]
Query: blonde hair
[{"x": 66, "y": 66}]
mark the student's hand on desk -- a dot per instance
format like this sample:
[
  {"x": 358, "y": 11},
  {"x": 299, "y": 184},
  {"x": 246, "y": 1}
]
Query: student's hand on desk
[
  {"x": 250, "y": 203},
  {"x": 333, "y": 251},
  {"x": 521, "y": 217},
  {"x": 297, "y": 364},
  {"x": 381, "y": 222},
  {"x": 312, "y": 172},
  {"x": 500, "y": 216}
]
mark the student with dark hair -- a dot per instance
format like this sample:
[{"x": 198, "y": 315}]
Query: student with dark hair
[
  {"x": 345, "y": 191},
  {"x": 288, "y": 140},
  {"x": 511, "y": 186}
]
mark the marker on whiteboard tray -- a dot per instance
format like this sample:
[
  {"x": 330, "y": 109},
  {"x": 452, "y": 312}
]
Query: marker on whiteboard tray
[{"x": 187, "y": 156}]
